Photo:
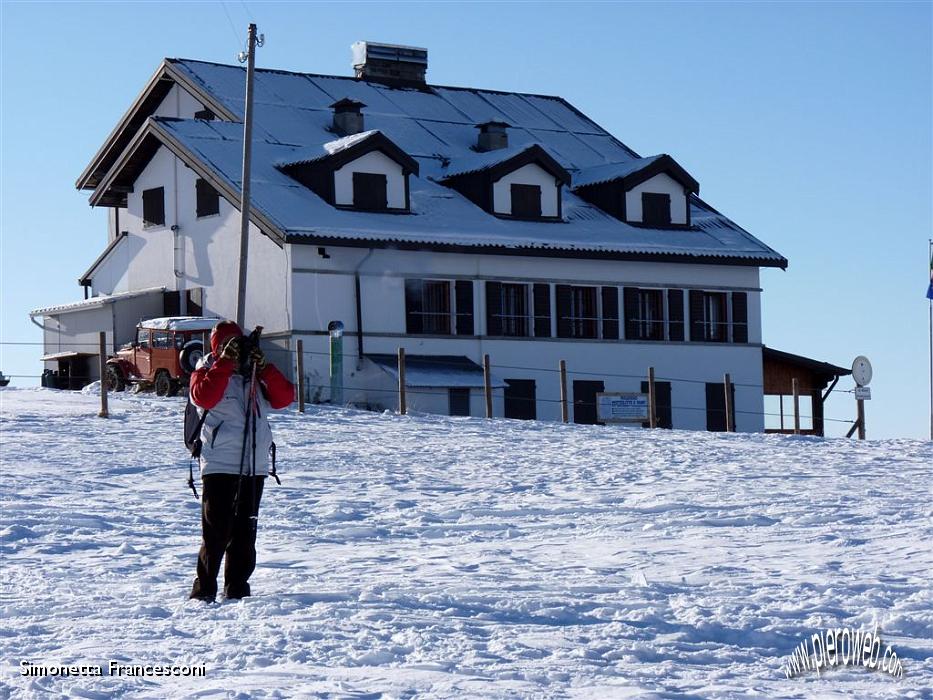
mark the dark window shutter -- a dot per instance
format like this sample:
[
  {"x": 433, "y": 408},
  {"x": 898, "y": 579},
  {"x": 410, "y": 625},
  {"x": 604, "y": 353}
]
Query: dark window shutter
[
  {"x": 526, "y": 201},
  {"x": 675, "y": 314},
  {"x": 154, "y": 207},
  {"x": 542, "y": 294},
  {"x": 463, "y": 294},
  {"x": 611, "y": 313},
  {"x": 414, "y": 321},
  {"x": 697, "y": 327},
  {"x": 369, "y": 191},
  {"x": 207, "y": 199},
  {"x": 630, "y": 302},
  {"x": 655, "y": 208},
  {"x": 564, "y": 327},
  {"x": 493, "y": 308},
  {"x": 739, "y": 317}
]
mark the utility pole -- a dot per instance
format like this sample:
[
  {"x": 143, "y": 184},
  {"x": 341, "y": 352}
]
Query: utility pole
[{"x": 250, "y": 58}]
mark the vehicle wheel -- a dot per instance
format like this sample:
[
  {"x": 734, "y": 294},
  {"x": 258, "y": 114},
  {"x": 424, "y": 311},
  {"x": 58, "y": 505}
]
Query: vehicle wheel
[
  {"x": 114, "y": 378},
  {"x": 191, "y": 353},
  {"x": 163, "y": 383}
]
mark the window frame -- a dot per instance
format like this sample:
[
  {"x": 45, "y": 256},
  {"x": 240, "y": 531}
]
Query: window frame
[
  {"x": 361, "y": 203},
  {"x": 650, "y": 201},
  {"x": 526, "y": 189},
  {"x": 147, "y": 202},
  {"x": 419, "y": 286},
  {"x": 202, "y": 190}
]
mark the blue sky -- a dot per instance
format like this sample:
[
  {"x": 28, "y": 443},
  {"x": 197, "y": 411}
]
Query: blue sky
[{"x": 807, "y": 123}]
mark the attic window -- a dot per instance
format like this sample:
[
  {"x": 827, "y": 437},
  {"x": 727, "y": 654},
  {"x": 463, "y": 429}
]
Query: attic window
[
  {"x": 656, "y": 208},
  {"x": 370, "y": 191},
  {"x": 154, "y": 207},
  {"x": 208, "y": 201},
  {"x": 205, "y": 114},
  {"x": 526, "y": 201}
]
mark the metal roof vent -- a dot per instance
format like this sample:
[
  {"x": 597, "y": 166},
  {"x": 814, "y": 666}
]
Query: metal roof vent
[
  {"x": 492, "y": 136},
  {"x": 348, "y": 119},
  {"x": 390, "y": 63}
]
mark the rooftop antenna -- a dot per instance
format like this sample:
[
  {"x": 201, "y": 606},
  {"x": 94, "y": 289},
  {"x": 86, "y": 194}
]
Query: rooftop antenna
[{"x": 249, "y": 57}]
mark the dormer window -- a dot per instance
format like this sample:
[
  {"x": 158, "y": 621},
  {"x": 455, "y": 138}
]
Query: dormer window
[
  {"x": 369, "y": 191},
  {"x": 653, "y": 192},
  {"x": 656, "y": 209},
  {"x": 365, "y": 171},
  {"x": 516, "y": 183}
]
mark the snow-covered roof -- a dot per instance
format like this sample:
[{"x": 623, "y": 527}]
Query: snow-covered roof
[
  {"x": 476, "y": 162},
  {"x": 437, "y": 127},
  {"x": 436, "y": 371},
  {"x": 93, "y": 302},
  {"x": 181, "y": 323},
  {"x": 611, "y": 171}
]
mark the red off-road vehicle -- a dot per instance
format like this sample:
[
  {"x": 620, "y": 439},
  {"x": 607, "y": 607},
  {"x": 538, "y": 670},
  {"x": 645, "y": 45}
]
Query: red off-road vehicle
[{"x": 164, "y": 354}]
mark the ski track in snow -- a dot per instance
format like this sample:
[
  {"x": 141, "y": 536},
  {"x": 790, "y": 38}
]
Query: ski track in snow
[{"x": 428, "y": 556}]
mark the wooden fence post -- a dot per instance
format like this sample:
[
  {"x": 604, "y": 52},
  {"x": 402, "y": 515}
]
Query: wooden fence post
[
  {"x": 104, "y": 412},
  {"x": 727, "y": 384},
  {"x": 487, "y": 385},
  {"x": 796, "y": 389},
  {"x": 652, "y": 400},
  {"x": 564, "y": 413},
  {"x": 402, "y": 405},
  {"x": 301, "y": 375}
]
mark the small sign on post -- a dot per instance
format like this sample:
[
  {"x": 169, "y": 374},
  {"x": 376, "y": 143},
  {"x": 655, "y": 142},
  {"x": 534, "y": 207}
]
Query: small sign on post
[
  {"x": 622, "y": 407},
  {"x": 863, "y": 393}
]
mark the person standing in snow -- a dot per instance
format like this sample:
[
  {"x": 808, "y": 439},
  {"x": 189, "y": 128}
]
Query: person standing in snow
[{"x": 231, "y": 484}]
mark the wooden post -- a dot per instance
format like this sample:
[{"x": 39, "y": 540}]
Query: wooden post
[
  {"x": 564, "y": 413},
  {"x": 301, "y": 375},
  {"x": 860, "y": 404},
  {"x": 487, "y": 385},
  {"x": 796, "y": 389},
  {"x": 402, "y": 406},
  {"x": 652, "y": 401},
  {"x": 104, "y": 412},
  {"x": 727, "y": 384}
]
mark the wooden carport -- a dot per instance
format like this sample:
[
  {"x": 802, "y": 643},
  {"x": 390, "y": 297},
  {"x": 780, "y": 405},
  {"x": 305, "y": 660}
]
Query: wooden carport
[{"x": 813, "y": 377}]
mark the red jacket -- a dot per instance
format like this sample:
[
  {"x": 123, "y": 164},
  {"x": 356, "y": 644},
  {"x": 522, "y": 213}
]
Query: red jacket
[{"x": 208, "y": 384}]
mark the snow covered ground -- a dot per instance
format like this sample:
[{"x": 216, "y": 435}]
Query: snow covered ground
[{"x": 456, "y": 557}]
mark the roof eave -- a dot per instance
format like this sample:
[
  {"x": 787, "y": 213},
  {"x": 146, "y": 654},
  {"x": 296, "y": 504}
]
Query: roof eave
[
  {"x": 168, "y": 73},
  {"x": 152, "y": 129}
]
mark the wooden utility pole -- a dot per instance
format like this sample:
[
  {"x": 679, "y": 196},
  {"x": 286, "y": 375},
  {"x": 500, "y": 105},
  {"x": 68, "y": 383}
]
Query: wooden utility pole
[
  {"x": 487, "y": 385},
  {"x": 104, "y": 412},
  {"x": 301, "y": 375},
  {"x": 652, "y": 401},
  {"x": 795, "y": 387},
  {"x": 402, "y": 406},
  {"x": 244, "y": 189},
  {"x": 564, "y": 413},
  {"x": 730, "y": 422}
]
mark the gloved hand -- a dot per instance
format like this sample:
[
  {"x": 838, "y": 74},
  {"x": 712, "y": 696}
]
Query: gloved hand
[
  {"x": 231, "y": 351},
  {"x": 257, "y": 356}
]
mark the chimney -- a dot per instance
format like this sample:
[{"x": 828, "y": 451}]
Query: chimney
[
  {"x": 388, "y": 63},
  {"x": 348, "y": 119},
  {"x": 492, "y": 136}
]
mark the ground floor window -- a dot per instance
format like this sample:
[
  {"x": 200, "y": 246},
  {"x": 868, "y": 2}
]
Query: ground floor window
[{"x": 459, "y": 398}]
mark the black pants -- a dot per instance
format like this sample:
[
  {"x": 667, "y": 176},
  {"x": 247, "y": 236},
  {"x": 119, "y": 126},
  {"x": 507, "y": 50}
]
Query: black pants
[{"x": 228, "y": 529}]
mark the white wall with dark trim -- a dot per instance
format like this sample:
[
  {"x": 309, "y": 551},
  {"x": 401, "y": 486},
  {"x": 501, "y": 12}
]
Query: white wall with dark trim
[{"x": 661, "y": 183}]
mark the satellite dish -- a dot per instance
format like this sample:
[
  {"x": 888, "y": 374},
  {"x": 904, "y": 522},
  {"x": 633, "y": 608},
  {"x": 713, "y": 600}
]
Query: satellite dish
[{"x": 861, "y": 371}]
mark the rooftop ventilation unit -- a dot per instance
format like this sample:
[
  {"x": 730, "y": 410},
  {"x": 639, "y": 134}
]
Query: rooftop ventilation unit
[{"x": 390, "y": 63}]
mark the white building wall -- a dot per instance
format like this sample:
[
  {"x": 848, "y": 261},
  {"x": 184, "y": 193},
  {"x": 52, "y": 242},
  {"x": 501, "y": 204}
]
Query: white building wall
[
  {"x": 178, "y": 103},
  {"x": 661, "y": 184},
  {"x": 201, "y": 252},
  {"x": 372, "y": 162},
  {"x": 530, "y": 174},
  {"x": 324, "y": 292}
]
